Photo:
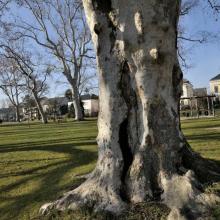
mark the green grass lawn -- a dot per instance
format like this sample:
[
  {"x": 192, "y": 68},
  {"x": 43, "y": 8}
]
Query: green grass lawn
[
  {"x": 204, "y": 136},
  {"x": 40, "y": 162}
]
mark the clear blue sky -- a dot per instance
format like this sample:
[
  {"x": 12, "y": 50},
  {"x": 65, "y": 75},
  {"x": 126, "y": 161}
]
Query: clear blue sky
[{"x": 205, "y": 58}]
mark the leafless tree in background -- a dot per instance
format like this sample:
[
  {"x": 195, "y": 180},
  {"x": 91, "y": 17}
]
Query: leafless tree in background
[
  {"x": 60, "y": 27},
  {"x": 194, "y": 39},
  {"x": 11, "y": 84},
  {"x": 215, "y": 5},
  {"x": 35, "y": 81},
  {"x": 3, "y": 5}
]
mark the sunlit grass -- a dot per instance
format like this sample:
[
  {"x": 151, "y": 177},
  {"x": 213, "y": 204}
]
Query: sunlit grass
[
  {"x": 204, "y": 136},
  {"x": 40, "y": 162}
]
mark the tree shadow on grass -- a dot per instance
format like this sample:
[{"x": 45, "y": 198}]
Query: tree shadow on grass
[
  {"x": 204, "y": 137},
  {"x": 49, "y": 145},
  {"x": 49, "y": 177},
  {"x": 204, "y": 161}
]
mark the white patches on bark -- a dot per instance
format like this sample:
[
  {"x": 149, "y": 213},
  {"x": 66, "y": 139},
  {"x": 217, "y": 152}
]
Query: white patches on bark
[
  {"x": 138, "y": 20},
  {"x": 154, "y": 53},
  {"x": 44, "y": 209}
]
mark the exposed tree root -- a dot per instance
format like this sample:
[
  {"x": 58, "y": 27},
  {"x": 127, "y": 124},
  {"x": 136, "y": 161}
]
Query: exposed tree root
[
  {"x": 182, "y": 194},
  {"x": 89, "y": 194}
]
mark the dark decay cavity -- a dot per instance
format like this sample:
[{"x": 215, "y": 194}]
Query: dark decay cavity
[
  {"x": 125, "y": 148},
  {"x": 126, "y": 92},
  {"x": 177, "y": 77},
  {"x": 104, "y": 6},
  {"x": 97, "y": 28}
]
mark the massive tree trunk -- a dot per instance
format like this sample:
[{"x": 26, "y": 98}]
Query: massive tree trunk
[
  {"x": 143, "y": 154},
  {"x": 40, "y": 108}
]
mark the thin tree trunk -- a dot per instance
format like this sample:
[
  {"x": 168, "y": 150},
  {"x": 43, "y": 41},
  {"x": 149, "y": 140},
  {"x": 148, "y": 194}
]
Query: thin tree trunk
[
  {"x": 76, "y": 104},
  {"x": 142, "y": 151},
  {"x": 40, "y": 108},
  {"x": 18, "y": 117},
  {"x": 75, "y": 97}
]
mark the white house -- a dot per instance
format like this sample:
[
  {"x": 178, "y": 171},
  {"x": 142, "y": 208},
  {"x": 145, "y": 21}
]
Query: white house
[
  {"x": 90, "y": 104},
  {"x": 215, "y": 85},
  {"x": 187, "y": 92}
]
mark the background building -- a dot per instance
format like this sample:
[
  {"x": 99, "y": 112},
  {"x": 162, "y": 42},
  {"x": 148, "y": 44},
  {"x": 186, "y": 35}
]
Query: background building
[
  {"x": 187, "y": 92},
  {"x": 90, "y": 104},
  {"x": 215, "y": 85}
]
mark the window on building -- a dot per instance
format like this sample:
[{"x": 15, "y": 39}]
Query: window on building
[{"x": 216, "y": 89}]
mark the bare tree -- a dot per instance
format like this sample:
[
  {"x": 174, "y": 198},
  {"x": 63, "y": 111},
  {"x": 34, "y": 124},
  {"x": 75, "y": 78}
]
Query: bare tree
[
  {"x": 143, "y": 154},
  {"x": 3, "y": 5},
  {"x": 29, "y": 106},
  {"x": 187, "y": 6},
  {"x": 35, "y": 82},
  {"x": 11, "y": 83},
  {"x": 60, "y": 27},
  {"x": 192, "y": 39},
  {"x": 215, "y": 5}
]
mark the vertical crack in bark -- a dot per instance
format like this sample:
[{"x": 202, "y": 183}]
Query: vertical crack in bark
[
  {"x": 124, "y": 145},
  {"x": 177, "y": 76},
  {"x": 126, "y": 90}
]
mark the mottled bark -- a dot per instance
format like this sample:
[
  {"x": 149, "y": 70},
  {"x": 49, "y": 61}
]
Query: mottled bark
[
  {"x": 142, "y": 151},
  {"x": 40, "y": 108}
]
